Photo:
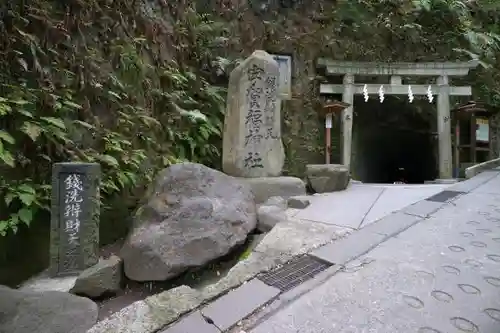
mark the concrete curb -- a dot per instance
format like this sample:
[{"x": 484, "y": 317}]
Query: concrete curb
[
  {"x": 228, "y": 310},
  {"x": 478, "y": 168}
]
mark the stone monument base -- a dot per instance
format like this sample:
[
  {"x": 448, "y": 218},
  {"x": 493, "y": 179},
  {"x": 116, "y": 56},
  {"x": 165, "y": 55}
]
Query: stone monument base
[
  {"x": 265, "y": 187},
  {"x": 104, "y": 277},
  {"x": 43, "y": 282}
]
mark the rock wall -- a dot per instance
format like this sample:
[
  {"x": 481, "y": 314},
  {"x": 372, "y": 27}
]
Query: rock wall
[
  {"x": 306, "y": 31},
  {"x": 325, "y": 29}
]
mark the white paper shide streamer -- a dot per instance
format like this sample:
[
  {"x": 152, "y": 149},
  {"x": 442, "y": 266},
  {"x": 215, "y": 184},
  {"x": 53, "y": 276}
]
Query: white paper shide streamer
[
  {"x": 430, "y": 96},
  {"x": 410, "y": 94},
  {"x": 365, "y": 93},
  {"x": 381, "y": 94}
]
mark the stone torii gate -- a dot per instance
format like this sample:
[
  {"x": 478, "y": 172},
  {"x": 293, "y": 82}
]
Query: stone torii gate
[{"x": 440, "y": 70}]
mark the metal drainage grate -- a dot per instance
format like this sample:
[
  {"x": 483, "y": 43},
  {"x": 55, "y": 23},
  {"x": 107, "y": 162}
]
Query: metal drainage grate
[
  {"x": 294, "y": 273},
  {"x": 444, "y": 196}
]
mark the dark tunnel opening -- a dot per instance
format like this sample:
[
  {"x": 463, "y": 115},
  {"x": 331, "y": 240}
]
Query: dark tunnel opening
[{"x": 394, "y": 141}]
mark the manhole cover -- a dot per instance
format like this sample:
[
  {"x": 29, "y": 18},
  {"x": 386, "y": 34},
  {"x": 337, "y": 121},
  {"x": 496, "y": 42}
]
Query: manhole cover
[
  {"x": 444, "y": 196},
  {"x": 294, "y": 273}
]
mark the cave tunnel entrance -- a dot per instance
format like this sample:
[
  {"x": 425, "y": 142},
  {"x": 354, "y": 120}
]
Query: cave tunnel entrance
[{"x": 394, "y": 140}]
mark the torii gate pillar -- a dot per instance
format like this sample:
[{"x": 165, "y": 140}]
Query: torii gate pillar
[{"x": 444, "y": 129}]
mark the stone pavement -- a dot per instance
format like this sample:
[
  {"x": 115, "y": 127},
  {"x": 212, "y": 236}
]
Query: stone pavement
[
  {"x": 362, "y": 204},
  {"x": 431, "y": 267}
]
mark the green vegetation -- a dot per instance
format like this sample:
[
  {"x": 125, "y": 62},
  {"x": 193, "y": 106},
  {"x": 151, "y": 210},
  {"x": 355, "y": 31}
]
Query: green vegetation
[
  {"x": 443, "y": 29},
  {"x": 100, "y": 81}
]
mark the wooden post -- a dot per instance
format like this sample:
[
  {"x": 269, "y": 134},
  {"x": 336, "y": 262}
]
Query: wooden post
[
  {"x": 328, "y": 111},
  {"x": 328, "y": 137}
]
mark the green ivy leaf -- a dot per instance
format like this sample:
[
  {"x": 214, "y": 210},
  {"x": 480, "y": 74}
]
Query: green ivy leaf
[
  {"x": 204, "y": 132},
  {"x": 25, "y": 112},
  {"x": 3, "y": 227},
  {"x": 110, "y": 160},
  {"x": 122, "y": 179},
  {"x": 112, "y": 93},
  {"x": 46, "y": 157},
  {"x": 32, "y": 130},
  {"x": 27, "y": 189},
  {"x": 27, "y": 198},
  {"x": 4, "y": 109},
  {"x": 5, "y": 136},
  {"x": 26, "y": 215},
  {"x": 72, "y": 105},
  {"x": 84, "y": 124},
  {"x": 14, "y": 219},
  {"x": 20, "y": 102},
  {"x": 7, "y": 158},
  {"x": 23, "y": 64},
  {"x": 54, "y": 121},
  {"x": 131, "y": 176},
  {"x": 8, "y": 198}
]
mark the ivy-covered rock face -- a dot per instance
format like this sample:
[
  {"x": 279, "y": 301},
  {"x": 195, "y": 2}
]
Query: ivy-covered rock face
[
  {"x": 128, "y": 92},
  {"x": 136, "y": 85},
  {"x": 369, "y": 30},
  {"x": 118, "y": 83}
]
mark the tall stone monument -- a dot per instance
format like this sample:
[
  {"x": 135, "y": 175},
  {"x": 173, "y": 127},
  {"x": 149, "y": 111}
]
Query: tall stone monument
[{"x": 252, "y": 145}]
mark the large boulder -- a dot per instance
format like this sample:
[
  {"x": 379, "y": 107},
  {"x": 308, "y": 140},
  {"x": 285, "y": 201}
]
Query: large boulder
[
  {"x": 191, "y": 216},
  {"x": 103, "y": 278},
  {"x": 45, "y": 312},
  {"x": 323, "y": 178}
]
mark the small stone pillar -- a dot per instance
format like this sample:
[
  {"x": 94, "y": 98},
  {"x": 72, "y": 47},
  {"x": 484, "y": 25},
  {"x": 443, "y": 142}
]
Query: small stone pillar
[
  {"x": 444, "y": 128},
  {"x": 74, "y": 233}
]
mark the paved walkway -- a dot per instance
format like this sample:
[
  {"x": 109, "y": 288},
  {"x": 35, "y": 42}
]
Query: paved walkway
[
  {"x": 362, "y": 204},
  {"x": 440, "y": 275}
]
